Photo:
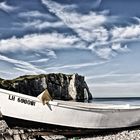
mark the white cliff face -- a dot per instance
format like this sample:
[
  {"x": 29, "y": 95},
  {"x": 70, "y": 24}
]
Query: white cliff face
[
  {"x": 86, "y": 94},
  {"x": 43, "y": 82},
  {"x": 72, "y": 89},
  {"x": 60, "y": 86}
]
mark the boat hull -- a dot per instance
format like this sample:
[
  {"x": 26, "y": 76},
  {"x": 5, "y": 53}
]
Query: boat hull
[
  {"x": 66, "y": 114},
  {"x": 59, "y": 130}
]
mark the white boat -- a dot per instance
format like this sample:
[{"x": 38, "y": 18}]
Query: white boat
[{"x": 67, "y": 114}]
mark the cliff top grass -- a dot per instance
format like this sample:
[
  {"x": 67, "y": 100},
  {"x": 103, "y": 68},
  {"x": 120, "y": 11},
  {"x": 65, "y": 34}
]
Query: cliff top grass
[
  {"x": 32, "y": 77},
  {"x": 21, "y": 78},
  {"x": 29, "y": 77},
  {"x": 1, "y": 79}
]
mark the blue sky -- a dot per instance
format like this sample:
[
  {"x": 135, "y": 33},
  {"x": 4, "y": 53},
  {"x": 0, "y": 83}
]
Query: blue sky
[{"x": 99, "y": 39}]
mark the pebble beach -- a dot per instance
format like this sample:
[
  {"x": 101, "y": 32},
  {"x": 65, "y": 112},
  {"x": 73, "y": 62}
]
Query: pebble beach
[
  {"x": 18, "y": 134},
  {"x": 122, "y": 135}
]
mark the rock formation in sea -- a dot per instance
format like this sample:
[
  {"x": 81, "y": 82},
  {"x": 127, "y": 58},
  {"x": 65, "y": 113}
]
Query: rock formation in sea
[{"x": 60, "y": 86}]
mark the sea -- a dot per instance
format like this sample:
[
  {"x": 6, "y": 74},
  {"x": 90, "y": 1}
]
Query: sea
[{"x": 117, "y": 101}]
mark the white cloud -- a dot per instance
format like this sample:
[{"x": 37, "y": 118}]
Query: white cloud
[
  {"x": 91, "y": 34},
  {"x": 108, "y": 50},
  {"x": 52, "y": 54},
  {"x": 38, "y": 42},
  {"x": 7, "y": 74},
  {"x": 97, "y": 3},
  {"x": 46, "y": 24},
  {"x": 35, "y": 14},
  {"x": 128, "y": 32},
  {"x": 115, "y": 75},
  {"x": 119, "y": 48},
  {"x": 7, "y": 8},
  {"x": 84, "y": 25},
  {"x": 22, "y": 64},
  {"x": 35, "y": 19},
  {"x": 39, "y": 24},
  {"x": 89, "y": 28},
  {"x": 105, "y": 52},
  {"x": 137, "y": 19},
  {"x": 74, "y": 19},
  {"x": 77, "y": 66},
  {"x": 24, "y": 71},
  {"x": 40, "y": 60},
  {"x": 70, "y": 7},
  {"x": 116, "y": 46}
]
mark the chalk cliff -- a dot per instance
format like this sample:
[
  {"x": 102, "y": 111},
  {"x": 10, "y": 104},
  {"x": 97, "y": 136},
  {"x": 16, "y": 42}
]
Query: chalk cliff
[{"x": 60, "y": 86}]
